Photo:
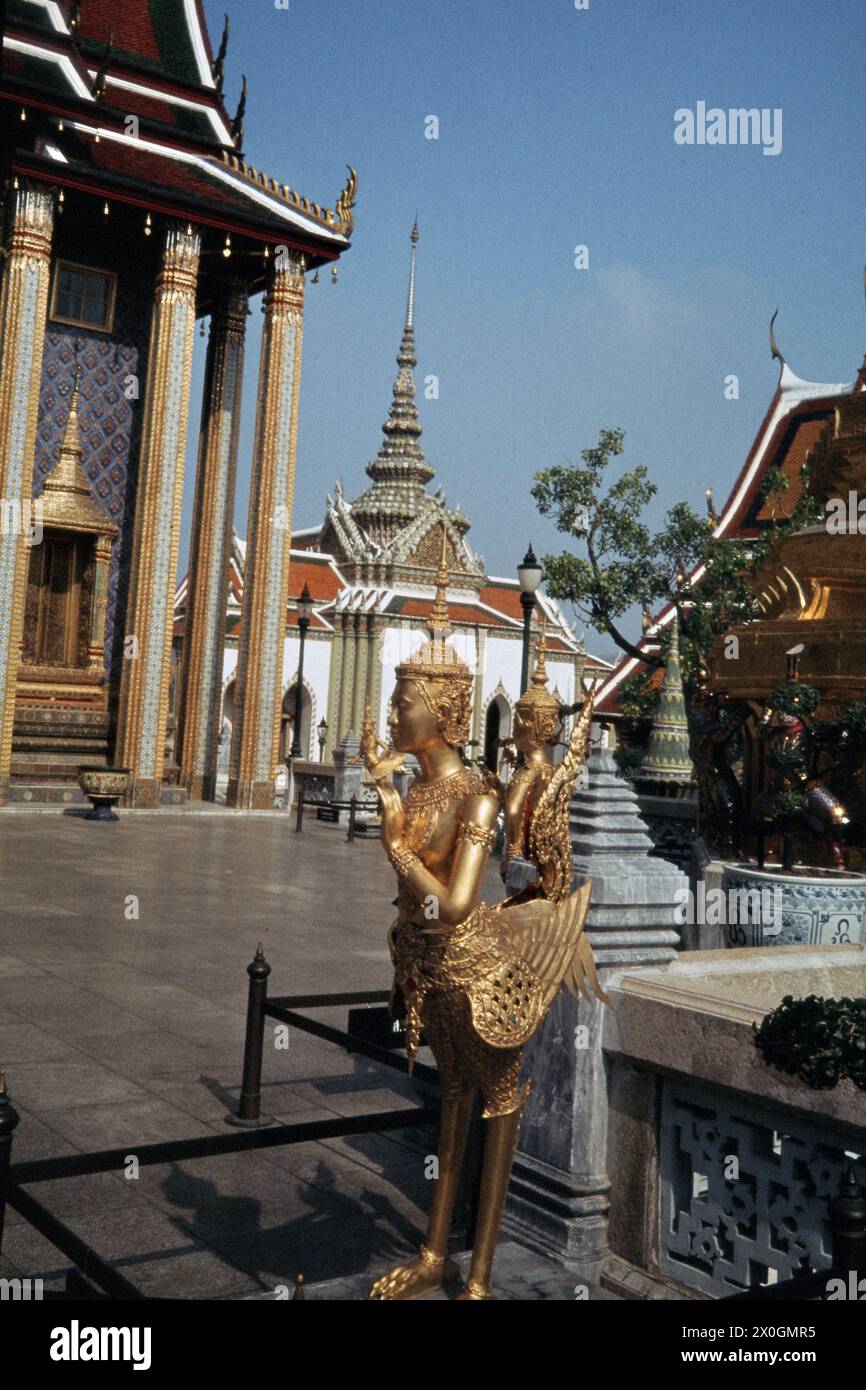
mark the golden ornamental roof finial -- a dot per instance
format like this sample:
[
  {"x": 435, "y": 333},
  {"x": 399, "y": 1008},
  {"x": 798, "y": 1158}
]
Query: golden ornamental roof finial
[
  {"x": 774, "y": 346},
  {"x": 346, "y": 201}
]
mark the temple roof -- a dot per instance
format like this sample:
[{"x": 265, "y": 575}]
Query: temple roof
[
  {"x": 495, "y": 608},
  {"x": 793, "y": 423},
  {"x": 78, "y": 93}
]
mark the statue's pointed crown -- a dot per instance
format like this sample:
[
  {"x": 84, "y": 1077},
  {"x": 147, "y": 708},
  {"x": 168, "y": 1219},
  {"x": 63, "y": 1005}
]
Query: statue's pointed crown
[
  {"x": 537, "y": 695},
  {"x": 436, "y": 659}
]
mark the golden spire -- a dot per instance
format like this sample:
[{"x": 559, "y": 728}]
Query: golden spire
[
  {"x": 66, "y": 498},
  {"x": 537, "y": 696},
  {"x": 539, "y": 675},
  {"x": 436, "y": 659},
  {"x": 439, "y": 621}
]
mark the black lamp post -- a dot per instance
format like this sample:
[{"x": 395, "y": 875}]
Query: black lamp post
[
  {"x": 529, "y": 574},
  {"x": 304, "y": 605},
  {"x": 323, "y": 738}
]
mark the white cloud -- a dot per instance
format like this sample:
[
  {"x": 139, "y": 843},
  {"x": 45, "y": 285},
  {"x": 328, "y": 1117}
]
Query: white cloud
[{"x": 643, "y": 306}]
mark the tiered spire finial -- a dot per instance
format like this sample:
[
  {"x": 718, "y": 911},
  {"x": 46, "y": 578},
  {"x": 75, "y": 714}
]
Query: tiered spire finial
[
  {"x": 410, "y": 301},
  {"x": 400, "y": 459}
]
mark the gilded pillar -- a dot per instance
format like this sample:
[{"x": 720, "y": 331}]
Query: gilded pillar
[
  {"x": 255, "y": 743},
  {"x": 23, "y": 310},
  {"x": 99, "y": 603},
  {"x": 204, "y": 639},
  {"x": 335, "y": 672},
  {"x": 144, "y": 691},
  {"x": 349, "y": 653},
  {"x": 359, "y": 689},
  {"x": 374, "y": 672},
  {"x": 477, "y": 700}
]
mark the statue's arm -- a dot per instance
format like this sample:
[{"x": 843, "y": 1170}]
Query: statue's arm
[
  {"x": 519, "y": 789},
  {"x": 475, "y": 833}
]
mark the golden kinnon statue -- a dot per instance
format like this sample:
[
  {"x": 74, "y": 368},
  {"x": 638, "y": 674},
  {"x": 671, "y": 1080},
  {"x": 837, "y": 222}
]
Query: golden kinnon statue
[
  {"x": 478, "y": 978},
  {"x": 536, "y": 727}
]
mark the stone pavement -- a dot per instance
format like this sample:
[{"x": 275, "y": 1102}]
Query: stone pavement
[{"x": 118, "y": 1029}]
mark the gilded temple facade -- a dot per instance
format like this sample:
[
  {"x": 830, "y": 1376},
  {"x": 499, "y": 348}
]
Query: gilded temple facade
[{"x": 129, "y": 214}]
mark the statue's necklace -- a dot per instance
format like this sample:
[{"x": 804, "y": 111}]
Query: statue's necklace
[{"x": 424, "y": 801}]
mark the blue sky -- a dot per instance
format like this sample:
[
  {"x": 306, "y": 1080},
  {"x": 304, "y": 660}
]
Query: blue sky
[{"x": 556, "y": 129}]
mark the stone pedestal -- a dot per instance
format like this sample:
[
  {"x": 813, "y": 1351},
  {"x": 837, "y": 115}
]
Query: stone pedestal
[
  {"x": 519, "y": 874},
  {"x": 558, "y": 1200},
  {"x": 348, "y": 772}
]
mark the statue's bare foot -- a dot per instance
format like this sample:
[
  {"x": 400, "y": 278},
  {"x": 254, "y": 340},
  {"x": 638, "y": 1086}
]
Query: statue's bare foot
[
  {"x": 419, "y": 1276},
  {"x": 477, "y": 1291}
]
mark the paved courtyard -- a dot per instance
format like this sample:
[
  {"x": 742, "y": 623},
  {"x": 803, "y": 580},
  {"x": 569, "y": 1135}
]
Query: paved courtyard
[{"x": 122, "y": 1004}]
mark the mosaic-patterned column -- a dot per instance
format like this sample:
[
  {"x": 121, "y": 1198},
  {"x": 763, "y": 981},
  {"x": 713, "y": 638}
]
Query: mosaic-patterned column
[
  {"x": 99, "y": 603},
  {"x": 144, "y": 691},
  {"x": 480, "y": 667},
  {"x": 350, "y": 651},
  {"x": 374, "y": 672},
  {"x": 359, "y": 690},
  {"x": 255, "y": 744},
  {"x": 23, "y": 310},
  {"x": 335, "y": 671},
  {"x": 204, "y": 640}
]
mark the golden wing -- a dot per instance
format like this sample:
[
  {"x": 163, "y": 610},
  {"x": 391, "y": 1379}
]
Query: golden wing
[
  {"x": 549, "y": 843},
  {"x": 521, "y": 954}
]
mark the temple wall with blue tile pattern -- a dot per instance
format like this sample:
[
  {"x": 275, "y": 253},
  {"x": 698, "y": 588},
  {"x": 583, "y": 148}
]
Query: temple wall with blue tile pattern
[{"x": 110, "y": 423}]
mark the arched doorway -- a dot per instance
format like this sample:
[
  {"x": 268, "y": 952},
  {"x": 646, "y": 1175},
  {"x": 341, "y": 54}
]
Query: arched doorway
[
  {"x": 288, "y": 721},
  {"x": 497, "y": 725}
]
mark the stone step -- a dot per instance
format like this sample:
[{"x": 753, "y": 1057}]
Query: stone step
[{"x": 70, "y": 794}]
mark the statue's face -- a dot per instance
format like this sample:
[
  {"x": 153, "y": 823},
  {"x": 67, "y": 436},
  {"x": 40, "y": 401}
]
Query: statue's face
[
  {"x": 523, "y": 732},
  {"x": 533, "y": 729},
  {"x": 411, "y": 724}
]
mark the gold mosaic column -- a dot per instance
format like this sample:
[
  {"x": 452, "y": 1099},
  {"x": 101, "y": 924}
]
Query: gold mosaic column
[
  {"x": 99, "y": 603},
  {"x": 256, "y": 734},
  {"x": 144, "y": 691},
  {"x": 350, "y": 651},
  {"x": 480, "y": 665},
  {"x": 335, "y": 670},
  {"x": 23, "y": 310},
  {"x": 360, "y": 692},
  {"x": 204, "y": 639},
  {"x": 374, "y": 670}
]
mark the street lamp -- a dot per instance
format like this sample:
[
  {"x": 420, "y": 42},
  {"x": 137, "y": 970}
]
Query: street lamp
[
  {"x": 304, "y": 605},
  {"x": 529, "y": 574},
  {"x": 322, "y": 731}
]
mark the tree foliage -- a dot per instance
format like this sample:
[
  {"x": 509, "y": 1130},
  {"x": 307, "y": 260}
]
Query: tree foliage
[{"x": 623, "y": 563}]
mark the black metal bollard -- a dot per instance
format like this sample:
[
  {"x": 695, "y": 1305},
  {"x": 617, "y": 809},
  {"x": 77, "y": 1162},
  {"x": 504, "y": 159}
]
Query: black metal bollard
[
  {"x": 9, "y": 1118},
  {"x": 353, "y": 806},
  {"x": 299, "y": 823},
  {"x": 848, "y": 1225},
  {"x": 249, "y": 1113}
]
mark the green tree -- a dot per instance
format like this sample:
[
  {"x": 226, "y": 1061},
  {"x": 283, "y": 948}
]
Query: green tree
[{"x": 624, "y": 563}]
